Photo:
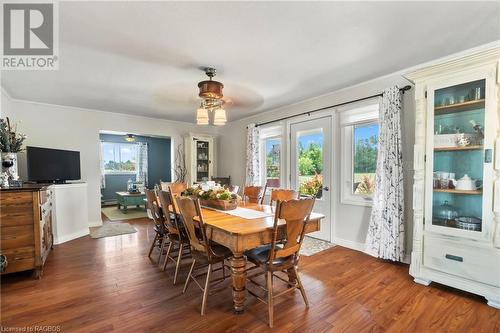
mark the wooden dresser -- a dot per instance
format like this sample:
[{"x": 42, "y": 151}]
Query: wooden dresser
[{"x": 25, "y": 228}]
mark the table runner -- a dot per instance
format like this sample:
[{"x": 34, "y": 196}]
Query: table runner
[{"x": 244, "y": 213}]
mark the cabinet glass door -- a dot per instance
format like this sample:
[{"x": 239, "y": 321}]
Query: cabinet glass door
[
  {"x": 202, "y": 160},
  {"x": 459, "y": 156}
]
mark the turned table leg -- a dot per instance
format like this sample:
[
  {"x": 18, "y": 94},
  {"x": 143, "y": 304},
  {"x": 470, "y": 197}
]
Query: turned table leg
[{"x": 239, "y": 277}]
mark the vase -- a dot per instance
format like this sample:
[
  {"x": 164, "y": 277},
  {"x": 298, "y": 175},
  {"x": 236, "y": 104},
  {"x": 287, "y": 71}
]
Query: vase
[{"x": 9, "y": 169}]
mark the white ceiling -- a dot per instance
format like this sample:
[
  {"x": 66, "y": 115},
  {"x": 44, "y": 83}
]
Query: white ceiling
[{"x": 143, "y": 58}]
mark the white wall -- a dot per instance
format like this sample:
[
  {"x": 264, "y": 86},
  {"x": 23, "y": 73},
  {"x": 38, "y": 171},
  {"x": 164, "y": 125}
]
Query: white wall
[
  {"x": 350, "y": 222},
  {"x": 70, "y": 128}
]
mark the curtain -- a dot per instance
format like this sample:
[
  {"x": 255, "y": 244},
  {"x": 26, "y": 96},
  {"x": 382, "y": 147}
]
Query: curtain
[
  {"x": 101, "y": 159},
  {"x": 141, "y": 173},
  {"x": 253, "y": 156},
  {"x": 385, "y": 238}
]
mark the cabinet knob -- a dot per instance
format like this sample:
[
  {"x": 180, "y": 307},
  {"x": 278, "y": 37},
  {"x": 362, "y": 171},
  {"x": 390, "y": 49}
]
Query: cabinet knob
[{"x": 3, "y": 263}]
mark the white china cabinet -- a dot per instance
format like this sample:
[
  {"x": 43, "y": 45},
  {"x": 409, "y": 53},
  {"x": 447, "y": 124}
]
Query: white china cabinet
[
  {"x": 200, "y": 157},
  {"x": 456, "y": 191}
]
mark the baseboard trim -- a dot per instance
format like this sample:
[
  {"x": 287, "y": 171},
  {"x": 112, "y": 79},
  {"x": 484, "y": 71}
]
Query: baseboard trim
[
  {"x": 95, "y": 224},
  {"x": 361, "y": 247},
  {"x": 67, "y": 238},
  {"x": 349, "y": 244}
]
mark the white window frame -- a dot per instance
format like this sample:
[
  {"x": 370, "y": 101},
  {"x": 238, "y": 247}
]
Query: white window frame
[
  {"x": 362, "y": 113},
  {"x": 107, "y": 172},
  {"x": 273, "y": 132}
]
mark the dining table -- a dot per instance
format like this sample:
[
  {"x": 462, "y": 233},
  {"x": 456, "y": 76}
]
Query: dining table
[{"x": 240, "y": 234}]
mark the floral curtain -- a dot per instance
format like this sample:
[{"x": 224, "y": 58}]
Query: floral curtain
[
  {"x": 141, "y": 173},
  {"x": 385, "y": 238},
  {"x": 101, "y": 159},
  {"x": 253, "y": 156}
]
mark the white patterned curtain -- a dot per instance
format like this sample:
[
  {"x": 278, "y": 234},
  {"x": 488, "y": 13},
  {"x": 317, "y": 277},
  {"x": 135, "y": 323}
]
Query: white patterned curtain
[
  {"x": 101, "y": 160},
  {"x": 385, "y": 237},
  {"x": 141, "y": 173},
  {"x": 253, "y": 156}
]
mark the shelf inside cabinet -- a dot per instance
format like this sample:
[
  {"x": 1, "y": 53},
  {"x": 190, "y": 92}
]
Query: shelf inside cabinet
[
  {"x": 459, "y": 107},
  {"x": 471, "y": 147},
  {"x": 455, "y": 191}
]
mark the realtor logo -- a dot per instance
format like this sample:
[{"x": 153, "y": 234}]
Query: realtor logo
[{"x": 30, "y": 36}]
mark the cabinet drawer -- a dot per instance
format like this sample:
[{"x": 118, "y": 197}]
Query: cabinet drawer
[
  {"x": 452, "y": 257},
  {"x": 13, "y": 216},
  {"x": 16, "y": 199},
  {"x": 20, "y": 259},
  {"x": 18, "y": 236}
]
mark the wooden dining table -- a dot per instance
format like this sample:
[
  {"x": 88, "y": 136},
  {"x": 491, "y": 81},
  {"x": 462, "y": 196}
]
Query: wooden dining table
[{"x": 239, "y": 235}]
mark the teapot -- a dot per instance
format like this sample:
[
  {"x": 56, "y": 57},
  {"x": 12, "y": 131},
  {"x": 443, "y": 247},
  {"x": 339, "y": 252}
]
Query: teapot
[{"x": 465, "y": 183}]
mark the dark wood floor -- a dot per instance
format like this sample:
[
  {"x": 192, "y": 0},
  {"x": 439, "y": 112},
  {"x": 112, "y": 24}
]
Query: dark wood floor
[{"x": 110, "y": 285}]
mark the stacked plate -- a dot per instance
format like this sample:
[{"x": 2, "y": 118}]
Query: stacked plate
[{"x": 468, "y": 223}]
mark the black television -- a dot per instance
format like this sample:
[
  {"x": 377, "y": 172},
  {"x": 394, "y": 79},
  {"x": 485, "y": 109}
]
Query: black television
[{"x": 47, "y": 165}]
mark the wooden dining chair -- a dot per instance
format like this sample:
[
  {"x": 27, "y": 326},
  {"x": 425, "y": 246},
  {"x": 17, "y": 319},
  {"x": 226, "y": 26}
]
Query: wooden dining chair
[
  {"x": 159, "y": 224},
  {"x": 205, "y": 252},
  {"x": 177, "y": 188},
  {"x": 176, "y": 234},
  {"x": 280, "y": 194},
  {"x": 254, "y": 194},
  {"x": 164, "y": 186},
  {"x": 282, "y": 255}
]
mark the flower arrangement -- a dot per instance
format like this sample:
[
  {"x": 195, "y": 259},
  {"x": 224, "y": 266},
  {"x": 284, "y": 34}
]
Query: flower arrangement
[
  {"x": 215, "y": 197},
  {"x": 311, "y": 186},
  {"x": 366, "y": 186},
  {"x": 10, "y": 141}
]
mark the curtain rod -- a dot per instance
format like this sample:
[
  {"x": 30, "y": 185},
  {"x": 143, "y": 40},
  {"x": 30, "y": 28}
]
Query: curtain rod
[{"x": 405, "y": 88}]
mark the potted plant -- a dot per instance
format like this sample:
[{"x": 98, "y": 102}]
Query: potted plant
[{"x": 11, "y": 143}]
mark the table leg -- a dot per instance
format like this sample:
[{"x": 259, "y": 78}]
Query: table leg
[
  {"x": 124, "y": 209},
  {"x": 238, "y": 274}
]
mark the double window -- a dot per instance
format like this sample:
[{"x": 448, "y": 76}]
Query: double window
[
  {"x": 119, "y": 157},
  {"x": 359, "y": 126}
]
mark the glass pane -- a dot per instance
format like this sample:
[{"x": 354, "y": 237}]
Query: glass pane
[
  {"x": 127, "y": 157},
  {"x": 109, "y": 157},
  {"x": 365, "y": 138},
  {"x": 310, "y": 162},
  {"x": 202, "y": 161},
  {"x": 458, "y": 156},
  {"x": 273, "y": 158}
]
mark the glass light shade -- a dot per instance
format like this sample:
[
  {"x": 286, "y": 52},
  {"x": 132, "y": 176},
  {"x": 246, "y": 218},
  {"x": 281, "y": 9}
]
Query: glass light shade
[
  {"x": 220, "y": 117},
  {"x": 202, "y": 116}
]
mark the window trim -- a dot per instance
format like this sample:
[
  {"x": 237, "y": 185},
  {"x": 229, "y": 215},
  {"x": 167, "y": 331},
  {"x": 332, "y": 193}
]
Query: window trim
[{"x": 366, "y": 113}]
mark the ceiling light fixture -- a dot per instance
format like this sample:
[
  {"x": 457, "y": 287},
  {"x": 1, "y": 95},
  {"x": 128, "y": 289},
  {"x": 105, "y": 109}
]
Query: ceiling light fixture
[
  {"x": 211, "y": 100},
  {"x": 130, "y": 138}
]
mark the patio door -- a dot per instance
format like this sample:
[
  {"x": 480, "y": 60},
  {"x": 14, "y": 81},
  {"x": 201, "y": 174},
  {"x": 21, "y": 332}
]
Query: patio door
[{"x": 310, "y": 166}]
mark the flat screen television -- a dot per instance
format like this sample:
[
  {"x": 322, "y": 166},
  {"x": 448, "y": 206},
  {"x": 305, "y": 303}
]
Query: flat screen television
[{"x": 47, "y": 165}]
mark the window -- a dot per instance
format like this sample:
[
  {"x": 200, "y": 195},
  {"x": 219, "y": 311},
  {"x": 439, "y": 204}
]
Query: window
[
  {"x": 271, "y": 147},
  {"x": 119, "y": 157},
  {"x": 359, "y": 126},
  {"x": 273, "y": 161},
  {"x": 365, "y": 138}
]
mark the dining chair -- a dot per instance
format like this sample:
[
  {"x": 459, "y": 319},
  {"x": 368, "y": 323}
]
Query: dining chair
[
  {"x": 176, "y": 233},
  {"x": 280, "y": 194},
  {"x": 282, "y": 255},
  {"x": 254, "y": 194},
  {"x": 204, "y": 251},
  {"x": 164, "y": 186},
  {"x": 223, "y": 181},
  {"x": 177, "y": 188},
  {"x": 159, "y": 226}
]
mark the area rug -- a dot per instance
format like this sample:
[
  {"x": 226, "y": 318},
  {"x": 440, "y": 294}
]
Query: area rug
[
  {"x": 109, "y": 229},
  {"x": 312, "y": 246},
  {"x": 115, "y": 214}
]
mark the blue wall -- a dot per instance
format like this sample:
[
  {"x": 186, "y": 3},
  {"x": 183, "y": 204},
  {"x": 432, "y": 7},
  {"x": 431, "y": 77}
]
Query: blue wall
[{"x": 159, "y": 164}]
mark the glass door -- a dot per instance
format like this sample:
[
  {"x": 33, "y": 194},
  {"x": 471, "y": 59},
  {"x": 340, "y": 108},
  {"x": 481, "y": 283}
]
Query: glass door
[
  {"x": 310, "y": 152},
  {"x": 460, "y": 159},
  {"x": 202, "y": 160}
]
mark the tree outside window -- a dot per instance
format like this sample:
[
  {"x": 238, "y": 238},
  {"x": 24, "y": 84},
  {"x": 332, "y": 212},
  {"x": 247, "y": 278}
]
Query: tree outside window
[
  {"x": 119, "y": 157},
  {"x": 365, "y": 158},
  {"x": 273, "y": 161}
]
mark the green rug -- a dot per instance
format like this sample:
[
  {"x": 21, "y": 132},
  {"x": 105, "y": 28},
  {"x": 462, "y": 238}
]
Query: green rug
[{"x": 115, "y": 214}]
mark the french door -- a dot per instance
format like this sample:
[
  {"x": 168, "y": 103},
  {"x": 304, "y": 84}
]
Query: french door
[{"x": 310, "y": 166}]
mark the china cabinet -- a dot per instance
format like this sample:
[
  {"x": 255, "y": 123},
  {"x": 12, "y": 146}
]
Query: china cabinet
[
  {"x": 200, "y": 157},
  {"x": 456, "y": 191}
]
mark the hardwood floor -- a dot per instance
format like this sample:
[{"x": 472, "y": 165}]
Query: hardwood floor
[{"x": 109, "y": 284}]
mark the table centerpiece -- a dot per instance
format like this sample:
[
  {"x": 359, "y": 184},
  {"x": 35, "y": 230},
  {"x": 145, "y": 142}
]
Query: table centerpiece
[{"x": 214, "y": 196}]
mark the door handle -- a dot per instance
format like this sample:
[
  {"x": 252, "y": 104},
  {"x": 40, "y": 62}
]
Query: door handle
[{"x": 326, "y": 188}]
